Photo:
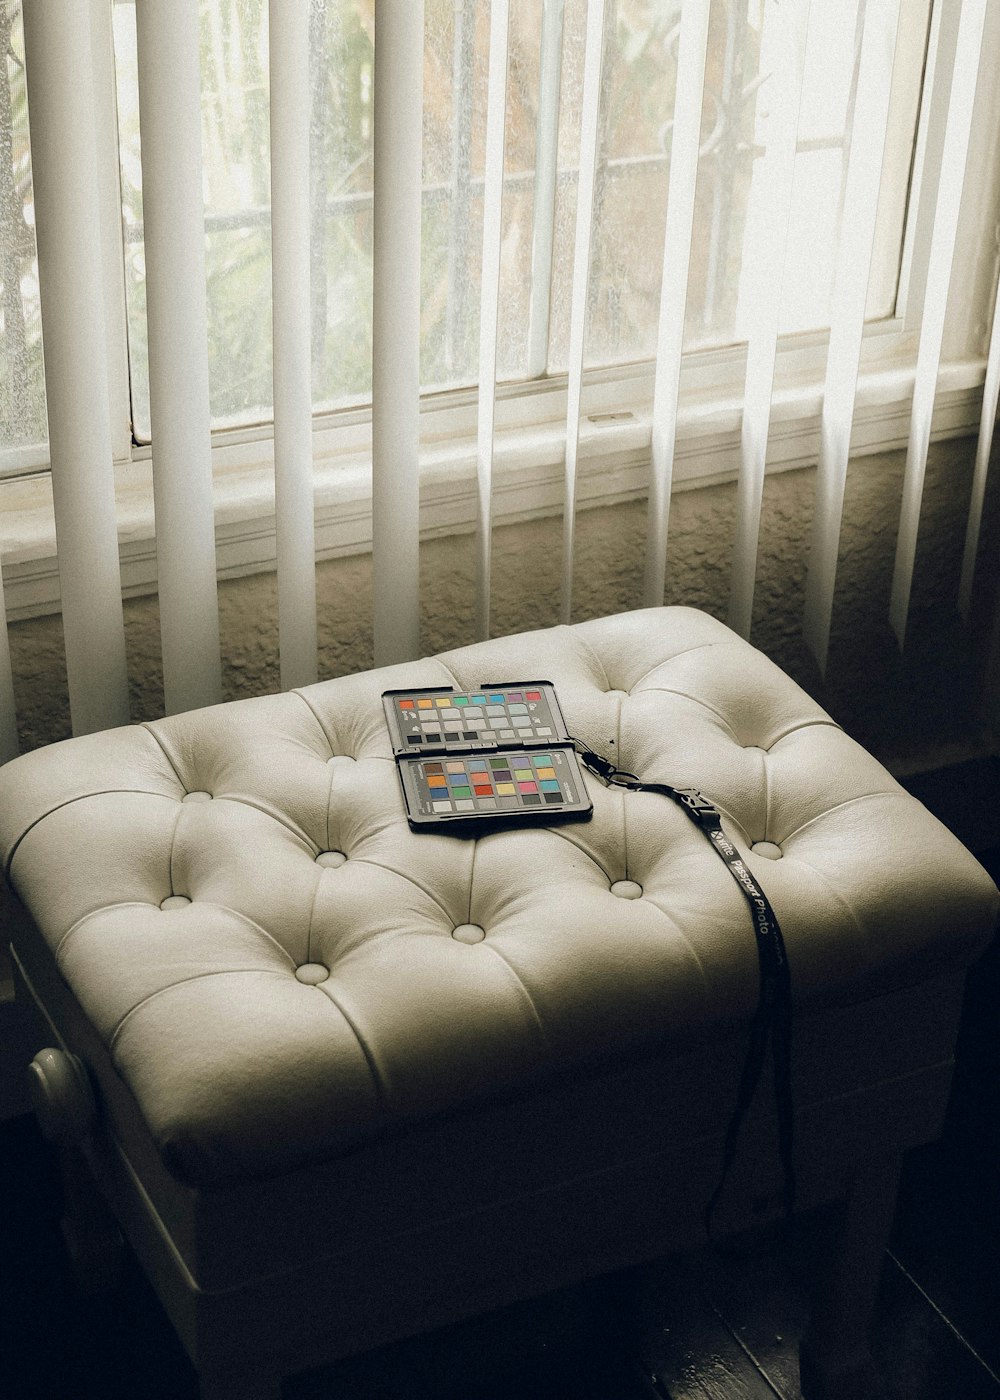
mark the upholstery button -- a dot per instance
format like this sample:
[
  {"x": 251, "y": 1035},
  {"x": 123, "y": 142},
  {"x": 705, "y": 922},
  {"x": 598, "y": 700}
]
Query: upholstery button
[
  {"x": 626, "y": 889},
  {"x": 768, "y": 849},
  {"x": 339, "y": 758},
  {"x": 331, "y": 859},
  {"x": 174, "y": 901},
  {"x": 197, "y": 797},
  {"x": 468, "y": 933},
  {"x": 312, "y": 973}
]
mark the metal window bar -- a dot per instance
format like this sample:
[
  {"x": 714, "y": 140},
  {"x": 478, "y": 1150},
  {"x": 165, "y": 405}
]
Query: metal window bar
[{"x": 360, "y": 200}]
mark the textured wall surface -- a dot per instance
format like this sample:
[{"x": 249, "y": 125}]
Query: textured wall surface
[{"x": 913, "y": 710}]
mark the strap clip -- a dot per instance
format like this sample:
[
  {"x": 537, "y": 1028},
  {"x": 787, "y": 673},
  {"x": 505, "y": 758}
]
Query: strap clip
[
  {"x": 626, "y": 780},
  {"x": 699, "y": 808},
  {"x": 603, "y": 767},
  {"x": 606, "y": 770}
]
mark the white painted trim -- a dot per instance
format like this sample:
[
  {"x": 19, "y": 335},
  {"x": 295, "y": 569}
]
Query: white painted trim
[{"x": 528, "y": 483}]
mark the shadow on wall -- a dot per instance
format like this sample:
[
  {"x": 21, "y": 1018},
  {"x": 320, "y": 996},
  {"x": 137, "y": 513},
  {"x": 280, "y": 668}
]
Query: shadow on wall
[{"x": 915, "y": 710}]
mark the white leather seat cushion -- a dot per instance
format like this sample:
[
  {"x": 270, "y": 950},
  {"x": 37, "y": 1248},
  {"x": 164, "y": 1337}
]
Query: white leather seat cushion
[{"x": 241, "y": 1068}]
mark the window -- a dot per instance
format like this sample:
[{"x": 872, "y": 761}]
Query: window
[{"x": 744, "y": 66}]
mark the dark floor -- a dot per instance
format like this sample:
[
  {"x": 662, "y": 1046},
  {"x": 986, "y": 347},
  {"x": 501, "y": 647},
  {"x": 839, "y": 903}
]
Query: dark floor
[{"x": 698, "y": 1328}]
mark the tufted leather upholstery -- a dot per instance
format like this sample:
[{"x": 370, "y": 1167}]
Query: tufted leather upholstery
[{"x": 281, "y": 969}]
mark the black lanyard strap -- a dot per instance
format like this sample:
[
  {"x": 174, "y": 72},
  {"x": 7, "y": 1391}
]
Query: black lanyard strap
[{"x": 772, "y": 1020}]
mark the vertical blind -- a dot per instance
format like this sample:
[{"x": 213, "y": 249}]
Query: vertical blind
[
  {"x": 489, "y": 303},
  {"x": 688, "y": 101},
  {"x": 778, "y": 171},
  {"x": 62, "y": 118},
  {"x": 850, "y": 287},
  {"x": 295, "y": 543},
  {"x": 177, "y": 320},
  {"x": 398, "y": 84},
  {"x": 946, "y": 211},
  {"x": 57, "y": 45},
  {"x": 589, "y": 131}
]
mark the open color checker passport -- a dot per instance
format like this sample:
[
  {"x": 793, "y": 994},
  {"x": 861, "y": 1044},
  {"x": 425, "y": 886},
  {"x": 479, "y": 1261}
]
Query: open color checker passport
[{"x": 469, "y": 756}]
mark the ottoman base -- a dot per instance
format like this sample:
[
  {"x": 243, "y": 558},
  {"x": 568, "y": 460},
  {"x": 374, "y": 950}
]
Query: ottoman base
[{"x": 871, "y": 1080}]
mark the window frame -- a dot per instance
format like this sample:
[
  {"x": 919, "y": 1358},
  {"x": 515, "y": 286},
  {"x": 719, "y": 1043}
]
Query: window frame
[{"x": 531, "y": 415}]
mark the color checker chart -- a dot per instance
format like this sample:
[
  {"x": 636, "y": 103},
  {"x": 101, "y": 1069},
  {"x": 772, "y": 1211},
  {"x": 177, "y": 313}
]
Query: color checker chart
[
  {"x": 500, "y": 752},
  {"x": 511, "y": 784}
]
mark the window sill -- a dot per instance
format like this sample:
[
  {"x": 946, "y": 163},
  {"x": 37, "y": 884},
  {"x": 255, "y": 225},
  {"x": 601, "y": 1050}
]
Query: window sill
[{"x": 528, "y": 472}]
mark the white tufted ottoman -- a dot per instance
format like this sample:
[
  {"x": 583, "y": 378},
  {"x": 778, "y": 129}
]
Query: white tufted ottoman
[{"x": 352, "y": 1081}]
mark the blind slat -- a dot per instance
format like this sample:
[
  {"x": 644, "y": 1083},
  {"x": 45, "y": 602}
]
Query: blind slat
[
  {"x": 57, "y": 42},
  {"x": 775, "y": 211},
  {"x": 292, "y": 358},
  {"x": 942, "y": 249},
  {"x": 987, "y": 423},
  {"x": 546, "y": 171},
  {"x": 396, "y": 211},
  {"x": 489, "y": 302},
  {"x": 847, "y": 315},
  {"x": 589, "y": 141},
  {"x": 167, "y": 46},
  {"x": 673, "y": 291}
]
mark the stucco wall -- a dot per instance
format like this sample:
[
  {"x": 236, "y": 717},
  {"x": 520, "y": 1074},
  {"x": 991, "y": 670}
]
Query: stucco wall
[{"x": 913, "y": 710}]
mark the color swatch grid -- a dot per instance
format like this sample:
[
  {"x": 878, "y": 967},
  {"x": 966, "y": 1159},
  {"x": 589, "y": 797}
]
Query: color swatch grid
[
  {"x": 484, "y": 719},
  {"x": 492, "y": 784},
  {"x": 514, "y": 782}
]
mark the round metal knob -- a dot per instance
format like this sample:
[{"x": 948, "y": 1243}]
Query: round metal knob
[{"x": 61, "y": 1096}]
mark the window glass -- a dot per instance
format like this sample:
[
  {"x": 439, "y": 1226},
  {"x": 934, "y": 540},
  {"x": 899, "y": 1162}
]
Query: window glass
[
  {"x": 236, "y": 187},
  {"x": 22, "y": 387},
  {"x": 641, "y": 41}
]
